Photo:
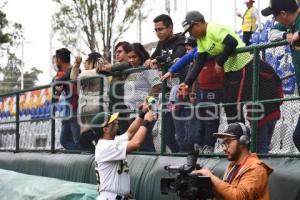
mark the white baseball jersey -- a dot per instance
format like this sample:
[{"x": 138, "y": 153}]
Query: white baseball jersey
[{"x": 111, "y": 165}]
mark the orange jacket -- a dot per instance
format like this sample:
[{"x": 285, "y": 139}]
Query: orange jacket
[{"x": 250, "y": 183}]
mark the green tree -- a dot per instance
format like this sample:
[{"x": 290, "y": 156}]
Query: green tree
[
  {"x": 4, "y": 37},
  {"x": 96, "y": 19},
  {"x": 11, "y": 34},
  {"x": 11, "y": 37},
  {"x": 10, "y": 76}
]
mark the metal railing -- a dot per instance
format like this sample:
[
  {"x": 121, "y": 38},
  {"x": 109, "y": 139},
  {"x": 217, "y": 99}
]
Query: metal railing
[{"x": 256, "y": 51}]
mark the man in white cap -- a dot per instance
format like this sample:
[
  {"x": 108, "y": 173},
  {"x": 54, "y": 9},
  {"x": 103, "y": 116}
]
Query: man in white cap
[
  {"x": 246, "y": 177},
  {"x": 250, "y": 19}
]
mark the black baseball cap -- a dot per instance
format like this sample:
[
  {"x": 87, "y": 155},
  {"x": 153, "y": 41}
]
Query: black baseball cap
[
  {"x": 190, "y": 18},
  {"x": 191, "y": 41},
  {"x": 280, "y": 5},
  {"x": 234, "y": 130}
]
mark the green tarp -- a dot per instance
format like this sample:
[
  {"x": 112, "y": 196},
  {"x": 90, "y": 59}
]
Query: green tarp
[
  {"x": 17, "y": 186},
  {"x": 145, "y": 171}
]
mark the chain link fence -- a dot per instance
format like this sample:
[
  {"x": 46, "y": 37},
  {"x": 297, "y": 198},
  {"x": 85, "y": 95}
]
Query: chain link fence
[{"x": 34, "y": 129}]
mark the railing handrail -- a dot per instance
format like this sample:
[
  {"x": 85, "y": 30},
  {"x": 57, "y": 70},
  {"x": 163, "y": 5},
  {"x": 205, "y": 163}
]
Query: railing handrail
[
  {"x": 133, "y": 70},
  {"x": 252, "y": 49}
]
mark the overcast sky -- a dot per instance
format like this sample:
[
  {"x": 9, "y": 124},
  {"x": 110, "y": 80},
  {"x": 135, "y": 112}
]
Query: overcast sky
[{"x": 35, "y": 16}]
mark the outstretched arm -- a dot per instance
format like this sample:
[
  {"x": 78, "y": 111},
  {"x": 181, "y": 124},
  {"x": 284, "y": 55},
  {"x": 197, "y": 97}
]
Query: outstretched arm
[
  {"x": 139, "y": 137},
  {"x": 196, "y": 69},
  {"x": 183, "y": 61}
]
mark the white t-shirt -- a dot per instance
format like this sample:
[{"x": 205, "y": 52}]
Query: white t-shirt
[
  {"x": 137, "y": 86},
  {"x": 111, "y": 165}
]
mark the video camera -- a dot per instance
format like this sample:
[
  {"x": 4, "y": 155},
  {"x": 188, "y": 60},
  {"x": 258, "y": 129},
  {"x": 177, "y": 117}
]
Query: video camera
[
  {"x": 187, "y": 186},
  {"x": 165, "y": 58}
]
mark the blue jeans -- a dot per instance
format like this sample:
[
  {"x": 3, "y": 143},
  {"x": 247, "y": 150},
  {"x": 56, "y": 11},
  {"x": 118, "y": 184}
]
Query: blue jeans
[
  {"x": 296, "y": 135},
  {"x": 70, "y": 134},
  {"x": 209, "y": 116},
  {"x": 264, "y": 136},
  {"x": 169, "y": 136},
  {"x": 187, "y": 130}
]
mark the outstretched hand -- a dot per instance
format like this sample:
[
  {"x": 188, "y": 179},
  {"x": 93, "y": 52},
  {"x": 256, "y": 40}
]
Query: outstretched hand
[
  {"x": 167, "y": 75},
  {"x": 150, "y": 116},
  {"x": 78, "y": 61}
]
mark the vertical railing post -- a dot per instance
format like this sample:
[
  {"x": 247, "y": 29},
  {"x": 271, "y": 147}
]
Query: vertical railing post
[
  {"x": 163, "y": 113},
  {"x": 101, "y": 93},
  {"x": 52, "y": 121},
  {"x": 17, "y": 122},
  {"x": 264, "y": 54},
  {"x": 255, "y": 89}
]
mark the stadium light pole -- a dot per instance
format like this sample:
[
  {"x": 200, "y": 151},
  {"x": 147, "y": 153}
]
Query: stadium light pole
[
  {"x": 140, "y": 17},
  {"x": 112, "y": 48},
  {"x": 22, "y": 62},
  {"x": 78, "y": 39},
  {"x": 167, "y": 6},
  {"x": 22, "y": 67},
  {"x": 235, "y": 15},
  {"x": 210, "y": 10},
  {"x": 50, "y": 50}
]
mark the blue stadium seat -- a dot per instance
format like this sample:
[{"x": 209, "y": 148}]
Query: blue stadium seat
[
  {"x": 255, "y": 38},
  {"x": 40, "y": 112},
  {"x": 263, "y": 37},
  {"x": 47, "y": 111},
  {"x": 268, "y": 24},
  {"x": 33, "y": 113},
  {"x": 289, "y": 85}
]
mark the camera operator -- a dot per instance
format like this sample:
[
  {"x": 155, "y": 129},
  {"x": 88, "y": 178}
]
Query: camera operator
[
  {"x": 246, "y": 177},
  {"x": 111, "y": 167}
]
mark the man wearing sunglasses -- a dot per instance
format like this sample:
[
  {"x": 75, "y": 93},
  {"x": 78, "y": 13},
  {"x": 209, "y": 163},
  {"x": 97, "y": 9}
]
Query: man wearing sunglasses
[
  {"x": 286, "y": 13},
  {"x": 246, "y": 177}
]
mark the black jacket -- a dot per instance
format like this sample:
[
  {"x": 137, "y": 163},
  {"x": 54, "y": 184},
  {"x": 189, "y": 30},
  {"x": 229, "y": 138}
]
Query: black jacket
[{"x": 176, "y": 46}]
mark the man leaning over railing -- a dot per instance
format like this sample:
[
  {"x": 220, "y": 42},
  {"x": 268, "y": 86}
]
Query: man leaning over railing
[
  {"x": 218, "y": 40},
  {"x": 209, "y": 92}
]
